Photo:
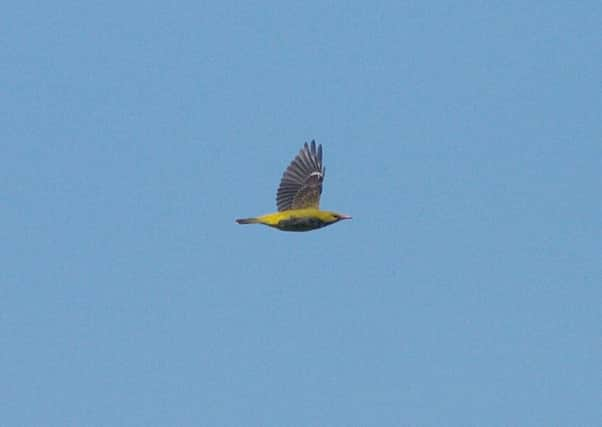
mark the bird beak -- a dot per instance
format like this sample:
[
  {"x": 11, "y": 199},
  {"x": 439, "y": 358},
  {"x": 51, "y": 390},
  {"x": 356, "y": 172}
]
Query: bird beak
[{"x": 344, "y": 216}]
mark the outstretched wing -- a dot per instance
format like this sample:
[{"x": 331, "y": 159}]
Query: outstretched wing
[{"x": 301, "y": 183}]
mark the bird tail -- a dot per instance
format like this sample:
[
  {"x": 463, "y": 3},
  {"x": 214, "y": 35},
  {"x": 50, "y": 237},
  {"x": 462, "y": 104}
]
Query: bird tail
[{"x": 247, "y": 221}]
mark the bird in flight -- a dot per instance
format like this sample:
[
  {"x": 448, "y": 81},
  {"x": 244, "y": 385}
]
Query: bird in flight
[{"x": 298, "y": 196}]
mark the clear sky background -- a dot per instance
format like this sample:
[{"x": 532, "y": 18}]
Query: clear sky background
[{"x": 465, "y": 139}]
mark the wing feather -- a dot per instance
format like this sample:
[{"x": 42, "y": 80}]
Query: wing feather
[{"x": 301, "y": 184}]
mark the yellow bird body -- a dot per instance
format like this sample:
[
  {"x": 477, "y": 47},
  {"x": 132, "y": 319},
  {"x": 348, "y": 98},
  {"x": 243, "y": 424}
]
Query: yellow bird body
[
  {"x": 298, "y": 196},
  {"x": 296, "y": 219}
]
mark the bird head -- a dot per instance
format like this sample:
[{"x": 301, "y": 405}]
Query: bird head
[{"x": 332, "y": 217}]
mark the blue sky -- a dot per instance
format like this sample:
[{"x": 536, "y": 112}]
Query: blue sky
[{"x": 465, "y": 139}]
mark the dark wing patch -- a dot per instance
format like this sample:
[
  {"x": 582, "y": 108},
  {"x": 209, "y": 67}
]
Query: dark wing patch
[{"x": 301, "y": 183}]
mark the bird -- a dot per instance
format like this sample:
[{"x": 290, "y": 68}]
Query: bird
[{"x": 298, "y": 196}]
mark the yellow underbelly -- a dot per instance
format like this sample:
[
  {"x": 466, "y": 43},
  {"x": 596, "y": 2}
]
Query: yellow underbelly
[{"x": 295, "y": 220}]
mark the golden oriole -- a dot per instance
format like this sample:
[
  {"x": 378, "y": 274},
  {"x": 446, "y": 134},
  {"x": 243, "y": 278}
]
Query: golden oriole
[{"x": 298, "y": 196}]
